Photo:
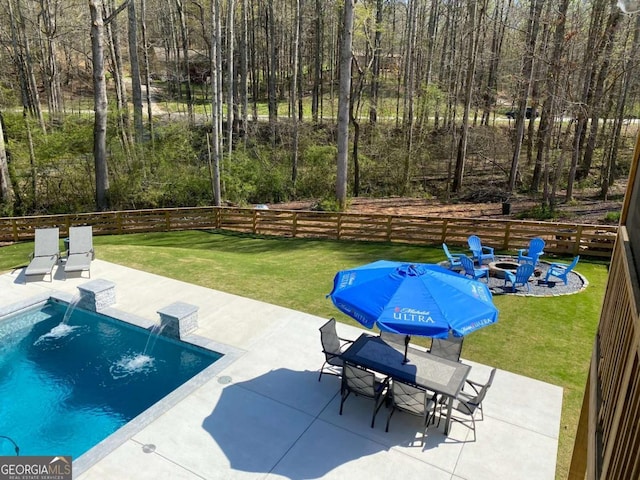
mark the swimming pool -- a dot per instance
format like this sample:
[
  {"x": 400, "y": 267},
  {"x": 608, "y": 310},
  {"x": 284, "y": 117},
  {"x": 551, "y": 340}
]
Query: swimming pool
[{"x": 67, "y": 385}]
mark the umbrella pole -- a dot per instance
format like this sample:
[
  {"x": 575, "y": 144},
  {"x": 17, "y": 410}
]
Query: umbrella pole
[{"x": 407, "y": 338}]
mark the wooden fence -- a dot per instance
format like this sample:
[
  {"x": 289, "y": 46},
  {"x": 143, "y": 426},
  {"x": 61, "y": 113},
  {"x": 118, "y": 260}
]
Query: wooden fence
[{"x": 505, "y": 235}]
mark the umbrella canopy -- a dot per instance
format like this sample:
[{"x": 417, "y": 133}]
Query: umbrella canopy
[{"x": 413, "y": 299}]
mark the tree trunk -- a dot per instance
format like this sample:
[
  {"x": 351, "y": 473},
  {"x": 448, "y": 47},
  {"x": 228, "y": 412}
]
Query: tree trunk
[
  {"x": 549, "y": 104},
  {"x": 117, "y": 71},
  {"x": 48, "y": 18},
  {"x": 316, "y": 97},
  {"x": 592, "y": 55},
  {"x": 230, "y": 74},
  {"x": 147, "y": 71},
  {"x": 216, "y": 100},
  {"x": 343, "y": 103},
  {"x": 294, "y": 94},
  {"x": 244, "y": 67},
  {"x": 100, "y": 106},
  {"x": 354, "y": 114},
  {"x": 136, "y": 87},
  {"x": 609, "y": 173},
  {"x": 375, "y": 72},
  {"x": 273, "y": 70},
  {"x": 499, "y": 23},
  {"x": 598, "y": 96},
  {"x": 525, "y": 87},
  {"x": 471, "y": 67},
  {"x": 184, "y": 40},
  {"x": 6, "y": 191},
  {"x": 31, "y": 76}
]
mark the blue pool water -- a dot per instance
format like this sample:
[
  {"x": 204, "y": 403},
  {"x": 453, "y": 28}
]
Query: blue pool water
[{"x": 64, "y": 387}]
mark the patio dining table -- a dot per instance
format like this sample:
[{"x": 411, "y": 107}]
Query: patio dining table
[{"x": 424, "y": 370}]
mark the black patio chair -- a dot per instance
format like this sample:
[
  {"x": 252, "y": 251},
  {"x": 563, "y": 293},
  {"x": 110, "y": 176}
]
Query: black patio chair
[
  {"x": 363, "y": 382},
  {"x": 468, "y": 403},
  {"x": 449, "y": 348},
  {"x": 332, "y": 347},
  {"x": 413, "y": 400},
  {"x": 398, "y": 340}
]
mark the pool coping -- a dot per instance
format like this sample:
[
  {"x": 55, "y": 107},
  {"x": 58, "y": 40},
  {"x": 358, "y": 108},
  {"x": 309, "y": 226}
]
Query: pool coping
[{"x": 229, "y": 355}]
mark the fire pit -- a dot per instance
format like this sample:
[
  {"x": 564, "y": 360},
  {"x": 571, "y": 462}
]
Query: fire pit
[{"x": 497, "y": 268}]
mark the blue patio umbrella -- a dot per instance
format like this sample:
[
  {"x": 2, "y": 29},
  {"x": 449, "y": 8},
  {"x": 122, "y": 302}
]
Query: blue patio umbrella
[{"x": 413, "y": 299}]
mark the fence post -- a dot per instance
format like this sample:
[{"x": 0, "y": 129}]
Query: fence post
[
  {"x": 294, "y": 227},
  {"x": 167, "y": 220},
  {"x": 507, "y": 235},
  {"x": 15, "y": 230},
  {"x": 576, "y": 247},
  {"x": 217, "y": 218},
  {"x": 389, "y": 222},
  {"x": 254, "y": 221},
  {"x": 338, "y": 226},
  {"x": 445, "y": 224}
]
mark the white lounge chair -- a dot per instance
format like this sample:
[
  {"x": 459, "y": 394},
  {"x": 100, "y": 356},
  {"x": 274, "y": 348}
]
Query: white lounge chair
[
  {"x": 45, "y": 254},
  {"x": 80, "y": 250}
]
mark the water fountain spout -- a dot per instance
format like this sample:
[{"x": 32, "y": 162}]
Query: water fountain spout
[
  {"x": 70, "y": 308},
  {"x": 154, "y": 333}
]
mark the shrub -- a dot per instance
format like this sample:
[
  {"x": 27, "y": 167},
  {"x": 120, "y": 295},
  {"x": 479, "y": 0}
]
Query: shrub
[
  {"x": 612, "y": 217},
  {"x": 317, "y": 171},
  {"x": 538, "y": 212}
]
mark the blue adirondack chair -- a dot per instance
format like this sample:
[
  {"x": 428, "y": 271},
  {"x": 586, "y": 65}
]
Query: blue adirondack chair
[
  {"x": 480, "y": 252},
  {"x": 454, "y": 258},
  {"x": 535, "y": 250},
  {"x": 469, "y": 269},
  {"x": 561, "y": 270},
  {"x": 521, "y": 277}
]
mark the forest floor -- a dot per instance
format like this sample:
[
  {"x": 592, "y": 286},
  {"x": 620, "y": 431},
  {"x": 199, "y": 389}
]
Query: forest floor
[{"x": 585, "y": 209}]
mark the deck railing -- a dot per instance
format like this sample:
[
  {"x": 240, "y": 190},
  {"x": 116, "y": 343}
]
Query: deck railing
[
  {"x": 560, "y": 238},
  {"x": 608, "y": 436}
]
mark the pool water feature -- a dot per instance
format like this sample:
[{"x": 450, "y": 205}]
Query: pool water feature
[{"x": 66, "y": 386}]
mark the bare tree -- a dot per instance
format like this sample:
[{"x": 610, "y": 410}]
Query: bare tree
[
  {"x": 244, "y": 69},
  {"x": 317, "y": 91},
  {"x": 6, "y": 191},
  {"x": 343, "y": 102},
  {"x": 136, "y": 87},
  {"x": 533, "y": 25},
  {"x": 472, "y": 54},
  {"x": 100, "y": 101},
  {"x": 49, "y": 28},
  {"x": 230, "y": 76},
  {"x": 375, "y": 68},
  {"x": 294, "y": 94},
  {"x": 112, "y": 30},
  {"x": 500, "y": 15},
  {"x": 550, "y": 102},
  {"x": 597, "y": 99},
  {"x": 272, "y": 79},
  {"x": 99, "y": 106},
  {"x": 216, "y": 100},
  {"x": 609, "y": 161},
  {"x": 184, "y": 41},
  {"x": 409, "y": 90},
  {"x": 147, "y": 73}
]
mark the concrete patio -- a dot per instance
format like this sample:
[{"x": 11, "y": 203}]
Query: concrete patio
[{"x": 265, "y": 415}]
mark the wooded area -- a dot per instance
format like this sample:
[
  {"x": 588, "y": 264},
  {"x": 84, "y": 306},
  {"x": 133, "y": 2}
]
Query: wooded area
[{"x": 200, "y": 102}]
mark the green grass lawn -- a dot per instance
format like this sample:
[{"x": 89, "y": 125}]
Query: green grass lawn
[{"x": 549, "y": 339}]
